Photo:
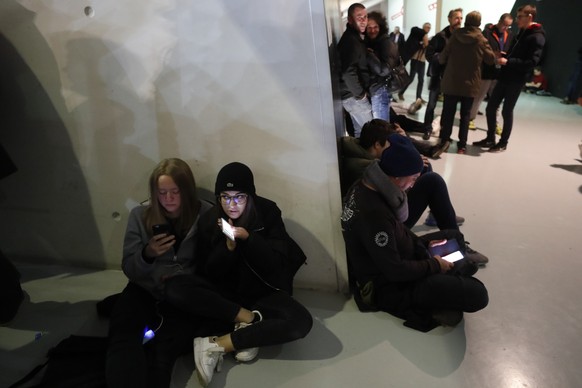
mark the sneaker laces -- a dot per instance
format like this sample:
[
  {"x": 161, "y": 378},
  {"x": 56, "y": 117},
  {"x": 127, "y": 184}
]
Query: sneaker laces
[
  {"x": 468, "y": 249},
  {"x": 215, "y": 357}
]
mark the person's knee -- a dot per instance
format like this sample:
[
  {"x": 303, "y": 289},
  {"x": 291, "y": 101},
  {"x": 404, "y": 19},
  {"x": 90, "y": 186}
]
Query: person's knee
[
  {"x": 476, "y": 296},
  {"x": 432, "y": 180},
  {"x": 300, "y": 326}
]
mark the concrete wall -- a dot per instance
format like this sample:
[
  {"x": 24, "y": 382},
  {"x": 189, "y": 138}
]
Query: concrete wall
[{"x": 92, "y": 98}]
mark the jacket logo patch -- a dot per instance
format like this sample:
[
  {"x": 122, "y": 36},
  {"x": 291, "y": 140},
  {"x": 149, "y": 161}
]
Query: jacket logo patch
[{"x": 381, "y": 239}]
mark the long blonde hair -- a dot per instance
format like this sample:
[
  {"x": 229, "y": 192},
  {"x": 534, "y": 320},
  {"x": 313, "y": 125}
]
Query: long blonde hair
[{"x": 182, "y": 175}]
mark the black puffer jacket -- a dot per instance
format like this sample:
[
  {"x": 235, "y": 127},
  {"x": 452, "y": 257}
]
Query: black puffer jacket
[
  {"x": 524, "y": 54},
  {"x": 266, "y": 261}
]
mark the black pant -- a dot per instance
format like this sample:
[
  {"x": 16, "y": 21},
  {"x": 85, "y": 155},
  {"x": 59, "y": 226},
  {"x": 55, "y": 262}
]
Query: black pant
[
  {"x": 434, "y": 292},
  {"x": 431, "y": 190},
  {"x": 416, "y": 67},
  {"x": 284, "y": 319},
  {"x": 508, "y": 93},
  {"x": 433, "y": 94},
  {"x": 133, "y": 364},
  {"x": 448, "y": 118}
]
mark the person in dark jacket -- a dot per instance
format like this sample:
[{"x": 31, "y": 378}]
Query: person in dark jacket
[
  {"x": 398, "y": 37},
  {"x": 354, "y": 77},
  {"x": 464, "y": 54},
  {"x": 415, "y": 51},
  {"x": 436, "y": 70},
  {"x": 524, "y": 54},
  {"x": 250, "y": 265},
  {"x": 382, "y": 57},
  {"x": 393, "y": 268},
  {"x": 500, "y": 38}
]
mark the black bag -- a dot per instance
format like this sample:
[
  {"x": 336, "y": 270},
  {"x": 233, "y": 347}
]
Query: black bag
[
  {"x": 77, "y": 361},
  {"x": 11, "y": 294},
  {"x": 398, "y": 78}
]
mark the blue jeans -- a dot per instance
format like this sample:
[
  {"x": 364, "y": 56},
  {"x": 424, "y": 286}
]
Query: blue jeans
[
  {"x": 360, "y": 111},
  {"x": 381, "y": 103}
]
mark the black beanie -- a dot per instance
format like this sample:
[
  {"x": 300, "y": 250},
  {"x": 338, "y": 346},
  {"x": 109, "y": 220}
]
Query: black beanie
[
  {"x": 401, "y": 158},
  {"x": 235, "y": 176}
]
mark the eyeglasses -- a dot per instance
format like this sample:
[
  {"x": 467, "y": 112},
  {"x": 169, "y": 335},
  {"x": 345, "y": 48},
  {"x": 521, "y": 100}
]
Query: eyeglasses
[{"x": 239, "y": 199}]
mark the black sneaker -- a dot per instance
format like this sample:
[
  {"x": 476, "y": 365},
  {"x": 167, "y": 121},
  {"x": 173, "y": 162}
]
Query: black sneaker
[
  {"x": 450, "y": 318},
  {"x": 485, "y": 143},
  {"x": 474, "y": 256},
  {"x": 499, "y": 147},
  {"x": 440, "y": 148},
  {"x": 427, "y": 134}
]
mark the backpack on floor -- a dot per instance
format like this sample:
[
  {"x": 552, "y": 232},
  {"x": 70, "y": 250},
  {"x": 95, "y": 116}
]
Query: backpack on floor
[{"x": 76, "y": 361}]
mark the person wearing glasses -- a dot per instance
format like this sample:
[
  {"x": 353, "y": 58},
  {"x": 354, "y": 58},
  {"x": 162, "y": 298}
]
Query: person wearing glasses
[
  {"x": 515, "y": 68},
  {"x": 250, "y": 259}
]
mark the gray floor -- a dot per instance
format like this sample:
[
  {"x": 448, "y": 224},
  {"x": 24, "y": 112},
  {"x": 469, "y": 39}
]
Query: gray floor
[{"x": 523, "y": 210}]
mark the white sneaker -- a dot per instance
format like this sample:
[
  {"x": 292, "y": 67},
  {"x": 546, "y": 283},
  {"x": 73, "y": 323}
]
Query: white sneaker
[
  {"x": 246, "y": 355},
  {"x": 436, "y": 126},
  {"x": 207, "y": 357}
]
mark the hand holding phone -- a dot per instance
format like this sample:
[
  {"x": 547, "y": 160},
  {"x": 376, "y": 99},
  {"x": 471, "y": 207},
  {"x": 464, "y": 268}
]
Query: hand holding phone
[
  {"x": 160, "y": 229},
  {"x": 447, "y": 250},
  {"x": 161, "y": 241},
  {"x": 227, "y": 229}
]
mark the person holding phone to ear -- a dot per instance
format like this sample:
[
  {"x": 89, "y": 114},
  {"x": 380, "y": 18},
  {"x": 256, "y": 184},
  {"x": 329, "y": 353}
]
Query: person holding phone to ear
[{"x": 159, "y": 245}]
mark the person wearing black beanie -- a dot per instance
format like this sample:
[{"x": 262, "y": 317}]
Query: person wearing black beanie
[
  {"x": 250, "y": 261},
  {"x": 392, "y": 267}
]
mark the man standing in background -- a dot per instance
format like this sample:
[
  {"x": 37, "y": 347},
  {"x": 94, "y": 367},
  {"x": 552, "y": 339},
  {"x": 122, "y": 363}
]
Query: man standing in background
[
  {"x": 435, "y": 71},
  {"x": 499, "y": 37},
  {"x": 516, "y": 67},
  {"x": 415, "y": 49},
  {"x": 354, "y": 78},
  {"x": 397, "y": 37}
]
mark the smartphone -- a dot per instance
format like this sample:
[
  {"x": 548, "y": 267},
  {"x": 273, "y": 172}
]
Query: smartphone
[
  {"x": 448, "y": 251},
  {"x": 160, "y": 229},
  {"x": 227, "y": 229}
]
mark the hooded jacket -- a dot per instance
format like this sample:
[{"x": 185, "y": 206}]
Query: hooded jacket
[
  {"x": 524, "y": 54},
  {"x": 464, "y": 54},
  {"x": 151, "y": 275},
  {"x": 382, "y": 251}
]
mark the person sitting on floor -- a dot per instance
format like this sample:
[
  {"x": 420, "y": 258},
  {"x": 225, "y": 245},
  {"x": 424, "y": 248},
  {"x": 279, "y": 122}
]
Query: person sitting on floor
[
  {"x": 252, "y": 267},
  {"x": 392, "y": 267},
  {"x": 430, "y": 190},
  {"x": 538, "y": 84}
]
